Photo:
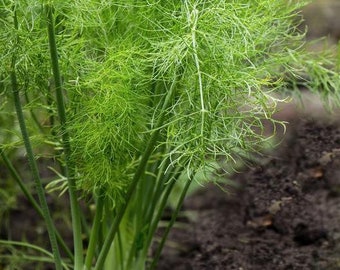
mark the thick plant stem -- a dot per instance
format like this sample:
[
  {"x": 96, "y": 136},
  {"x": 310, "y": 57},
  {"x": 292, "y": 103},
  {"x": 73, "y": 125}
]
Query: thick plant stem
[
  {"x": 69, "y": 171},
  {"x": 163, "y": 202},
  {"x": 35, "y": 174},
  {"x": 94, "y": 232},
  {"x": 32, "y": 162},
  {"x": 137, "y": 176},
  {"x": 159, "y": 211},
  {"x": 148, "y": 188},
  {"x": 31, "y": 199},
  {"x": 21, "y": 184},
  {"x": 171, "y": 223}
]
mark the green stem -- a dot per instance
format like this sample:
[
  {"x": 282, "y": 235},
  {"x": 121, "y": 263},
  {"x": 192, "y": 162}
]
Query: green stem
[
  {"x": 143, "y": 204},
  {"x": 94, "y": 232},
  {"x": 137, "y": 176},
  {"x": 19, "y": 181},
  {"x": 49, "y": 102},
  {"x": 120, "y": 250},
  {"x": 171, "y": 223},
  {"x": 31, "y": 160},
  {"x": 156, "y": 181},
  {"x": 31, "y": 199},
  {"x": 33, "y": 115},
  {"x": 143, "y": 212},
  {"x": 163, "y": 203},
  {"x": 30, "y": 247},
  {"x": 70, "y": 174},
  {"x": 161, "y": 181}
]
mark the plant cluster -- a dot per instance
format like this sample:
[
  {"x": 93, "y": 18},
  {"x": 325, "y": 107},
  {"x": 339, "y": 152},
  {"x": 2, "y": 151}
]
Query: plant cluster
[{"x": 135, "y": 95}]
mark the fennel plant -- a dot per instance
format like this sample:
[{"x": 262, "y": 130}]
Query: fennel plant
[{"x": 137, "y": 96}]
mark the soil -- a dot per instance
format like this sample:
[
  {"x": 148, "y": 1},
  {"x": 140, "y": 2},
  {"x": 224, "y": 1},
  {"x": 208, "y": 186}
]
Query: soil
[{"x": 285, "y": 213}]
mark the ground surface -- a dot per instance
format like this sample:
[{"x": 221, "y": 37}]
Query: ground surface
[{"x": 284, "y": 215}]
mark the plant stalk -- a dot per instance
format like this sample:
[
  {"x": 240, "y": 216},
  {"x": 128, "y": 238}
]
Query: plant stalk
[
  {"x": 31, "y": 199},
  {"x": 94, "y": 232},
  {"x": 163, "y": 202},
  {"x": 171, "y": 223},
  {"x": 69, "y": 171},
  {"x": 31, "y": 160}
]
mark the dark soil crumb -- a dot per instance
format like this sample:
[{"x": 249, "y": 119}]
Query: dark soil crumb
[{"x": 285, "y": 216}]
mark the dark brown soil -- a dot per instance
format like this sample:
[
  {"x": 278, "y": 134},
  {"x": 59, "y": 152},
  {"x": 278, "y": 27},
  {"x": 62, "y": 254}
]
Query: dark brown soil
[{"x": 285, "y": 215}]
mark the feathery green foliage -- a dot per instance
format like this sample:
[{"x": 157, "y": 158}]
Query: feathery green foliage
[{"x": 217, "y": 51}]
